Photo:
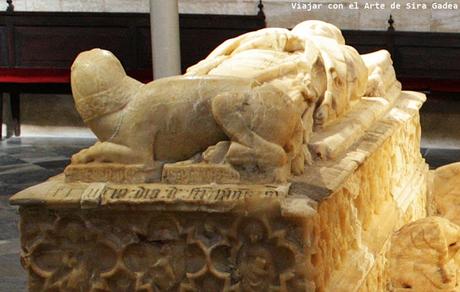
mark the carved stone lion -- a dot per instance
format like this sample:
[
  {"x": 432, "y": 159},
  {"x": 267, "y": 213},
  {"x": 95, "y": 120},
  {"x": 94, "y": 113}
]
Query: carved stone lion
[
  {"x": 173, "y": 119},
  {"x": 251, "y": 105}
]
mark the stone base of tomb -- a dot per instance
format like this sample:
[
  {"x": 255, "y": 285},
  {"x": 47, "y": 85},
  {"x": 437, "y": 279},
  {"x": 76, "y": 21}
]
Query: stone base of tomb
[
  {"x": 99, "y": 237},
  {"x": 327, "y": 230}
]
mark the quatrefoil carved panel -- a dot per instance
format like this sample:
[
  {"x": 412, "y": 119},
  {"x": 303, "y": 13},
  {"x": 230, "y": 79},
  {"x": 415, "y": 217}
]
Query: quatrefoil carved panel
[{"x": 161, "y": 251}]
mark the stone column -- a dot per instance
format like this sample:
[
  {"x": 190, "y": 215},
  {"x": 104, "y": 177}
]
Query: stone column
[{"x": 164, "y": 22}]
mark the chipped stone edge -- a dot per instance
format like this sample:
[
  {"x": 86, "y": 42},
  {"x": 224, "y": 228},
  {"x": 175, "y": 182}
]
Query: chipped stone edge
[{"x": 57, "y": 194}]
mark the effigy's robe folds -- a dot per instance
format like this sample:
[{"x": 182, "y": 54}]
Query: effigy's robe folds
[{"x": 284, "y": 161}]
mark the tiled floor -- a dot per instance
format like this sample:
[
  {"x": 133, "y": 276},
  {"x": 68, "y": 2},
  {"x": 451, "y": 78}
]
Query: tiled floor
[{"x": 27, "y": 161}]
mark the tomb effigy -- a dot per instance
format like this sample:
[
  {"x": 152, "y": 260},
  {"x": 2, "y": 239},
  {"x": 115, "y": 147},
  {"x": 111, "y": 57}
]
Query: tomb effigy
[{"x": 284, "y": 161}]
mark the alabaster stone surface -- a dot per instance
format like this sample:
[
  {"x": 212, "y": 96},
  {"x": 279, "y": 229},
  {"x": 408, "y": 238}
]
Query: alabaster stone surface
[
  {"x": 284, "y": 161},
  {"x": 163, "y": 238},
  {"x": 258, "y": 109},
  {"x": 424, "y": 256},
  {"x": 174, "y": 119},
  {"x": 383, "y": 189},
  {"x": 328, "y": 230},
  {"x": 446, "y": 192}
]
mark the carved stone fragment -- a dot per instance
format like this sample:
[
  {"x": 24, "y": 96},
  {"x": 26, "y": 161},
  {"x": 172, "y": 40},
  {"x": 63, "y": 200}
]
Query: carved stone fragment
[
  {"x": 446, "y": 192},
  {"x": 424, "y": 256}
]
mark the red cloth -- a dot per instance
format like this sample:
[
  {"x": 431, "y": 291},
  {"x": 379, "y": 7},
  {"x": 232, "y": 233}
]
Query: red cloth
[
  {"x": 42, "y": 75},
  {"x": 34, "y": 75},
  {"x": 62, "y": 76}
]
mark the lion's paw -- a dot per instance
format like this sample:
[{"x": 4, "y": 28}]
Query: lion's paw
[{"x": 82, "y": 157}]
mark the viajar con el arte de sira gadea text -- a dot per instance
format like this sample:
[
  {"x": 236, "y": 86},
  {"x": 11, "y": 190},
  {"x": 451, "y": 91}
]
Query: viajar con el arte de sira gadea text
[{"x": 375, "y": 5}]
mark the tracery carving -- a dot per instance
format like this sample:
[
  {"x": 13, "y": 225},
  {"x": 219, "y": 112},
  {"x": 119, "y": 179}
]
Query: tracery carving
[{"x": 166, "y": 252}]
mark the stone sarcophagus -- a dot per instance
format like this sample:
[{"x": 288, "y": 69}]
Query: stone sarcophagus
[
  {"x": 326, "y": 231},
  {"x": 284, "y": 161}
]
